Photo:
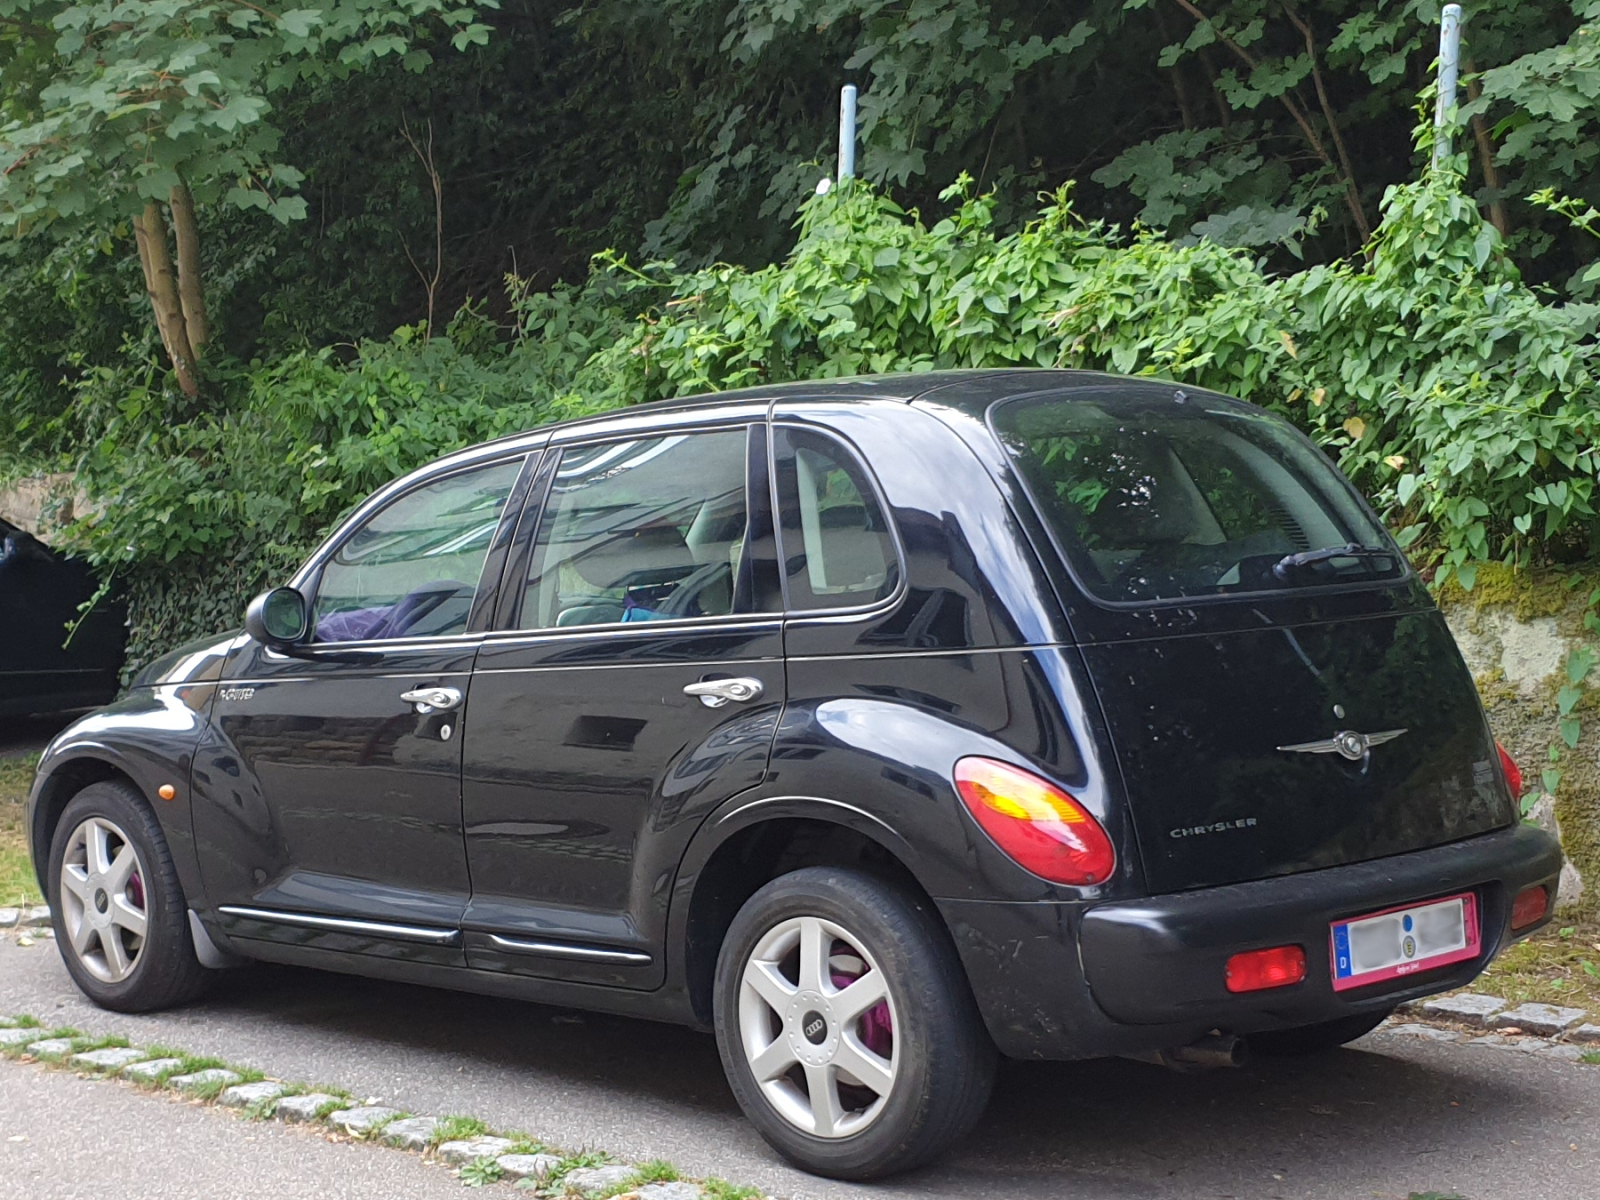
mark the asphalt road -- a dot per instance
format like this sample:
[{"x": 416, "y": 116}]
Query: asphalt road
[{"x": 1394, "y": 1115}]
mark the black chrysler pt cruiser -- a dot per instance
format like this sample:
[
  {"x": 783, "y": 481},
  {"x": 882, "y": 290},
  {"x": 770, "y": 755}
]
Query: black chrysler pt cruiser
[{"x": 880, "y": 725}]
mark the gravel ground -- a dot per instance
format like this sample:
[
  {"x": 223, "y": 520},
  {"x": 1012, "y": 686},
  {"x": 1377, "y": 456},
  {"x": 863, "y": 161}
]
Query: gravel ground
[{"x": 1392, "y": 1116}]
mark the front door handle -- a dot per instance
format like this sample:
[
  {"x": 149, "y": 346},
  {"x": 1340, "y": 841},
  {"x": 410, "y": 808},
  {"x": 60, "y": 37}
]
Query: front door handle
[
  {"x": 714, "y": 693},
  {"x": 433, "y": 699}
]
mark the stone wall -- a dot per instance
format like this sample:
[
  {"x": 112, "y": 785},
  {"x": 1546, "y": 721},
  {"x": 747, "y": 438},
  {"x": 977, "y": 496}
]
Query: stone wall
[
  {"x": 1516, "y": 632},
  {"x": 42, "y": 504}
]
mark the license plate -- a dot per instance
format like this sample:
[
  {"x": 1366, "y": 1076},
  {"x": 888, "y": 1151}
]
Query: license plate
[{"x": 1402, "y": 941}]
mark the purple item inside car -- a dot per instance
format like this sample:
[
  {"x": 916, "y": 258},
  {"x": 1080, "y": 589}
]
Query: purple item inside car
[{"x": 392, "y": 620}]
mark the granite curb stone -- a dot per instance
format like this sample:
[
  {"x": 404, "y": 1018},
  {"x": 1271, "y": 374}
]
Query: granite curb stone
[
  {"x": 528, "y": 1166},
  {"x": 473, "y": 1149},
  {"x": 677, "y": 1190},
  {"x": 584, "y": 1180},
  {"x": 1585, "y": 1033},
  {"x": 9, "y": 917},
  {"x": 411, "y": 1133},
  {"x": 18, "y": 1037},
  {"x": 149, "y": 1071},
  {"x": 1432, "y": 1032},
  {"x": 36, "y": 917},
  {"x": 51, "y": 1049},
  {"x": 196, "y": 1080},
  {"x": 1467, "y": 1008},
  {"x": 112, "y": 1058},
  {"x": 243, "y": 1095},
  {"x": 363, "y": 1119},
  {"x": 1546, "y": 1020},
  {"x": 304, "y": 1107}
]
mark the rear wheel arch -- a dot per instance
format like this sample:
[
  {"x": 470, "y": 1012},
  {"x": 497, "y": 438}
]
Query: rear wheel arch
[{"x": 759, "y": 849}]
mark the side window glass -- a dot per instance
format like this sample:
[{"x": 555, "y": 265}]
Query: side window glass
[
  {"x": 837, "y": 549},
  {"x": 652, "y": 529},
  {"x": 411, "y": 570}
]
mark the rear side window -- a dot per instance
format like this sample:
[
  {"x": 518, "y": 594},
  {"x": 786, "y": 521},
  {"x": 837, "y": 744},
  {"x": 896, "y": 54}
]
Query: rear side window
[
  {"x": 837, "y": 549},
  {"x": 649, "y": 529},
  {"x": 1159, "y": 496}
]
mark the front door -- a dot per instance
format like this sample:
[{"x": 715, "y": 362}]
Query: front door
[
  {"x": 640, "y": 688},
  {"x": 328, "y": 813}
]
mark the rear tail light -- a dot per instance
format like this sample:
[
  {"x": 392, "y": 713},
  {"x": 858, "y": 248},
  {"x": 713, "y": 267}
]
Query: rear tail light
[
  {"x": 1259, "y": 970},
  {"x": 1035, "y": 823},
  {"x": 1513, "y": 775},
  {"x": 1529, "y": 907}
]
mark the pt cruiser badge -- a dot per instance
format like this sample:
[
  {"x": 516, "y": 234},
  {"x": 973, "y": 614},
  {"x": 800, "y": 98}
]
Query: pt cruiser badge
[{"x": 1347, "y": 742}]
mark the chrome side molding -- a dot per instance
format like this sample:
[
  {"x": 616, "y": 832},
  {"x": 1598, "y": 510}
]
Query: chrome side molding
[
  {"x": 568, "y": 950},
  {"x": 405, "y": 933}
]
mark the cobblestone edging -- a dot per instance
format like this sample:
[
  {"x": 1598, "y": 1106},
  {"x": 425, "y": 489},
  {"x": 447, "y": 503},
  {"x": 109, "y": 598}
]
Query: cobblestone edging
[
  {"x": 476, "y": 1154},
  {"x": 1474, "y": 1019}
]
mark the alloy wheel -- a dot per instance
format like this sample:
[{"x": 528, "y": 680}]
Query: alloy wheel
[
  {"x": 103, "y": 899},
  {"x": 817, "y": 1025}
]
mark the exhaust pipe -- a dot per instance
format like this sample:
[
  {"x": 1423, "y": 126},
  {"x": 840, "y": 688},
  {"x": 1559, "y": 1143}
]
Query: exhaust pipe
[{"x": 1208, "y": 1053}]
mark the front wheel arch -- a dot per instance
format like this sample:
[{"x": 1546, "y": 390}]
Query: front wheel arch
[{"x": 52, "y": 795}]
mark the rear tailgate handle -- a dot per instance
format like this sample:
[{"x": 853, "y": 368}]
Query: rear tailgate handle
[
  {"x": 714, "y": 693},
  {"x": 432, "y": 699}
]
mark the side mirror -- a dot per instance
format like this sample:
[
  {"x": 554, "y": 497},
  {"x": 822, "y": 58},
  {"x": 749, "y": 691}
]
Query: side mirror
[{"x": 279, "y": 619}]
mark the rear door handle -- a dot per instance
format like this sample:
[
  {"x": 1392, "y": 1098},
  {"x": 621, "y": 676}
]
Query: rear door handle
[
  {"x": 433, "y": 699},
  {"x": 714, "y": 693}
]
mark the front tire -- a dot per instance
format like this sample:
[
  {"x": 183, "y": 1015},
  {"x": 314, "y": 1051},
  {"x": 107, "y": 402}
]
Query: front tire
[
  {"x": 846, "y": 1027},
  {"x": 1316, "y": 1039},
  {"x": 119, "y": 914}
]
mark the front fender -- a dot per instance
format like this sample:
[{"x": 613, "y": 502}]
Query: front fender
[{"x": 147, "y": 738}]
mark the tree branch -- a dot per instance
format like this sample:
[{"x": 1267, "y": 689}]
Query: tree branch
[
  {"x": 191, "y": 290},
  {"x": 1352, "y": 192},
  {"x": 150, "y": 236},
  {"x": 1295, "y": 111},
  {"x": 425, "y": 157}
]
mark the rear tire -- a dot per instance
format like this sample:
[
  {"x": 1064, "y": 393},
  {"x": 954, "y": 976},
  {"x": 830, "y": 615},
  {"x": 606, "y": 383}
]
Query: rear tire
[
  {"x": 1316, "y": 1039},
  {"x": 903, "y": 1067},
  {"x": 120, "y": 919}
]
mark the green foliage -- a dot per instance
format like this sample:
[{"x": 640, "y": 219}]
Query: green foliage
[
  {"x": 481, "y": 1172},
  {"x": 1462, "y": 401},
  {"x": 143, "y": 96}
]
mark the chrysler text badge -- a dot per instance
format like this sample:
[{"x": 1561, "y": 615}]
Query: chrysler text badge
[{"x": 1347, "y": 742}]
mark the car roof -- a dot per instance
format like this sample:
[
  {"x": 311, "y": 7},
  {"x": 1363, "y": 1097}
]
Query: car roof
[{"x": 971, "y": 391}]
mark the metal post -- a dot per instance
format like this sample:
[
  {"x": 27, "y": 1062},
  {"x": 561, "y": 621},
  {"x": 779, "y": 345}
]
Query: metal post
[
  {"x": 847, "y": 131},
  {"x": 1449, "y": 69}
]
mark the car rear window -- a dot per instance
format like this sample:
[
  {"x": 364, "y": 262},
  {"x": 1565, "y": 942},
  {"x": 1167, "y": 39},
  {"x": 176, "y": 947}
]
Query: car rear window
[{"x": 1158, "y": 495}]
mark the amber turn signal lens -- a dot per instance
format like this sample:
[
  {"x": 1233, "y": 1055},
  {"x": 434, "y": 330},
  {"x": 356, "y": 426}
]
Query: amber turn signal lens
[
  {"x": 1530, "y": 906},
  {"x": 167, "y": 792},
  {"x": 1037, "y": 825},
  {"x": 1259, "y": 970}
]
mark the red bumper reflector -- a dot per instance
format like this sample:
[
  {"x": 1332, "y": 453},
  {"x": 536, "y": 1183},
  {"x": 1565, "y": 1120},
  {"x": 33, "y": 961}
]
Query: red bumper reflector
[
  {"x": 1258, "y": 970},
  {"x": 1037, "y": 825},
  {"x": 1512, "y": 772},
  {"x": 1530, "y": 906}
]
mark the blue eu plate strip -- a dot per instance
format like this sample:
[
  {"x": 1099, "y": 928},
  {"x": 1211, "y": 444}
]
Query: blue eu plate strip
[{"x": 1341, "y": 952}]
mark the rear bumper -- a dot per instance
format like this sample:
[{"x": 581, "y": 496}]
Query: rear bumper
[{"x": 1078, "y": 981}]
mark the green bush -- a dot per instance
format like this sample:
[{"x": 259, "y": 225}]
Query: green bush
[{"x": 1456, "y": 397}]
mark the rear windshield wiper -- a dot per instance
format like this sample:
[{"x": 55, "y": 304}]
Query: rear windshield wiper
[{"x": 1310, "y": 558}]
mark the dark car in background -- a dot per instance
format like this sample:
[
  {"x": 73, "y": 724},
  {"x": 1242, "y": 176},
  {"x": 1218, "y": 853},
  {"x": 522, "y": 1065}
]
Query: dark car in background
[
  {"x": 877, "y": 725},
  {"x": 44, "y": 668}
]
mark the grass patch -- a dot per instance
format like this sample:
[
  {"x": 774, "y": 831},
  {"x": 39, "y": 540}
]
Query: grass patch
[
  {"x": 521, "y": 1143},
  {"x": 656, "y": 1171},
  {"x": 588, "y": 1158},
  {"x": 1592, "y": 1056},
  {"x": 18, "y": 887},
  {"x": 1558, "y": 965},
  {"x": 721, "y": 1189},
  {"x": 457, "y": 1129}
]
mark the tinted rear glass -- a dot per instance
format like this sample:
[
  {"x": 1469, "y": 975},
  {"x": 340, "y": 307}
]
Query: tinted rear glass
[{"x": 1153, "y": 497}]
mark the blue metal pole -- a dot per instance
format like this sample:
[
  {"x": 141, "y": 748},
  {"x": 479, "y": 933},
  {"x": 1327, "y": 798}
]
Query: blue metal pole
[
  {"x": 847, "y": 131},
  {"x": 1449, "y": 72}
]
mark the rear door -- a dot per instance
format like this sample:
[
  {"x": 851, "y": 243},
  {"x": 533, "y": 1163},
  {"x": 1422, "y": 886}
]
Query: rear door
[
  {"x": 635, "y": 685},
  {"x": 330, "y": 813},
  {"x": 1281, "y": 693}
]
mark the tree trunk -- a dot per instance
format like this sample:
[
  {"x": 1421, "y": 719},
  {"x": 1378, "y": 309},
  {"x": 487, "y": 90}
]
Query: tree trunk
[
  {"x": 191, "y": 289},
  {"x": 150, "y": 234},
  {"x": 1491, "y": 173}
]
